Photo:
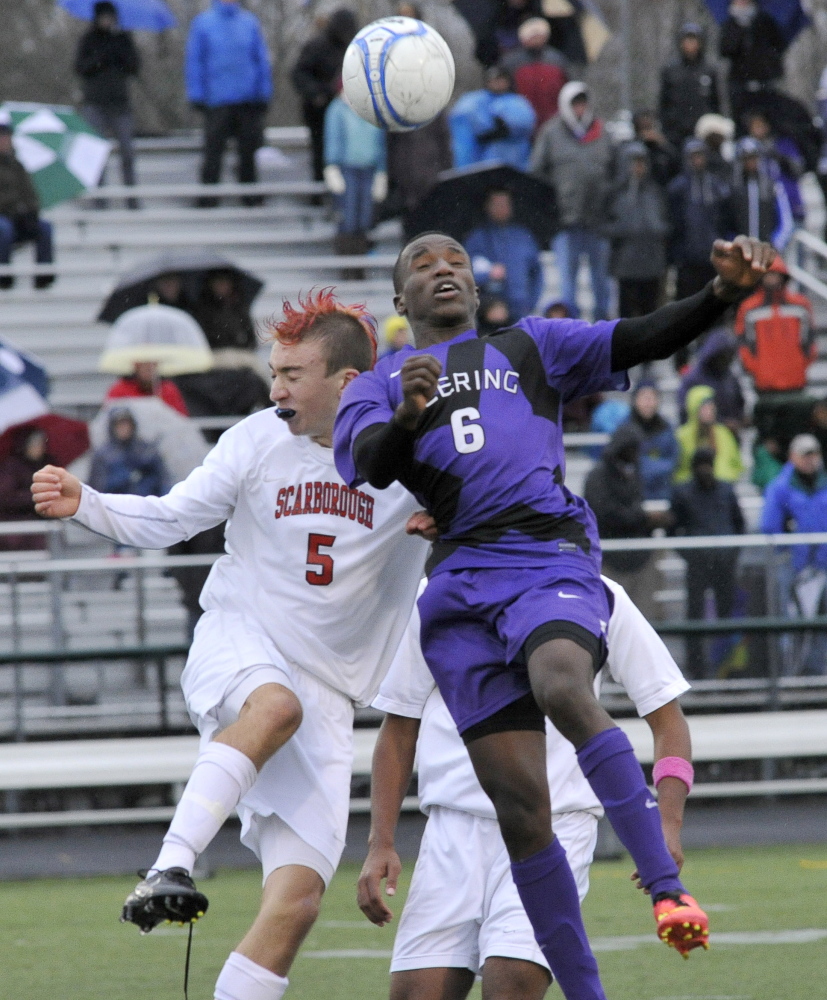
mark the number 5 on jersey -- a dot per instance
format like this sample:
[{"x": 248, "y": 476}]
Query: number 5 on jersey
[
  {"x": 468, "y": 437},
  {"x": 320, "y": 564}
]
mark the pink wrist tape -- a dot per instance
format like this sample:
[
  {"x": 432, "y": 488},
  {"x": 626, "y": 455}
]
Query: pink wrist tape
[{"x": 673, "y": 767}]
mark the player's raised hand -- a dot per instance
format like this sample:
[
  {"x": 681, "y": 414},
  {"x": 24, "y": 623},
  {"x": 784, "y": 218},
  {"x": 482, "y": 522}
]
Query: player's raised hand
[
  {"x": 56, "y": 492},
  {"x": 419, "y": 376},
  {"x": 740, "y": 263},
  {"x": 422, "y": 523},
  {"x": 382, "y": 863}
]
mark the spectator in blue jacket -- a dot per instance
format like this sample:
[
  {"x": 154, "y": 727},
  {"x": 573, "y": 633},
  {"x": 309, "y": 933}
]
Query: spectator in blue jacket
[
  {"x": 493, "y": 124},
  {"x": 355, "y": 155},
  {"x": 229, "y": 79},
  {"x": 127, "y": 463},
  {"x": 505, "y": 257},
  {"x": 796, "y": 500},
  {"x": 658, "y": 445}
]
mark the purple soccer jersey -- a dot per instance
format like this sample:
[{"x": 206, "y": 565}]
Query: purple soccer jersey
[{"x": 488, "y": 461}]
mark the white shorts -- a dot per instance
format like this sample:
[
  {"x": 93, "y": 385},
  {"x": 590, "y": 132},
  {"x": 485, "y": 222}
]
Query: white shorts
[
  {"x": 306, "y": 784},
  {"x": 463, "y": 906}
]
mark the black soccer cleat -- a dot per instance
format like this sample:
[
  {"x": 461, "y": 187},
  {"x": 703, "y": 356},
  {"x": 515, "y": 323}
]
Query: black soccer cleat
[{"x": 169, "y": 896}]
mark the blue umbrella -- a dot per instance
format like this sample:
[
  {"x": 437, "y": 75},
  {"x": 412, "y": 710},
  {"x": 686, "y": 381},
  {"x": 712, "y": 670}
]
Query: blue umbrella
[
  {"x": 788, "y": 14},
  {"x": 23, "y": 387},
  {"x": 133, "y": 15}
]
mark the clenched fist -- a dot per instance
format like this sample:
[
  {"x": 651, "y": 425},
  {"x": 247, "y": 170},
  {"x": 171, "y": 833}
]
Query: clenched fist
[
  {"x": 419, "y": 375},
  {"x": 740, "y": 264},
  {"x": 56, "y": 492}
]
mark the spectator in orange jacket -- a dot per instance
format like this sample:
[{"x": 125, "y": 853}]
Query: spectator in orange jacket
[{"x": 777, "y": 334}]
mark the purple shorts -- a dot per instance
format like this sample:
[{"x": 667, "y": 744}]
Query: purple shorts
[{"x": 475, "y": 622}]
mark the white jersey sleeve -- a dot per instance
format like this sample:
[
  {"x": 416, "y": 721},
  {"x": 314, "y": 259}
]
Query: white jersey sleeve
[
  {"x": 408, "y": 683},
  {"x": 204, "y": 499},
  {"x": 638, "y": 659}
]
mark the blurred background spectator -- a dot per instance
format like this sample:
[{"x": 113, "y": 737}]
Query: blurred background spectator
[
  {"x": 20, "y": 220},
  {"x": 703, "y": 430},
  {"x": 145, "y": 381},
  {"x": 614, "y": 490},
  {"x": 317, "y": 75},
  {"x": 664, "y": 158},
  {"x": 777, "y": 334},
  {"x": 658, "y": 445},
  {"x": 222, "y": 313},
  {"x": 705, "y": 505},
  {"x": 493, "y": 314},
  {"x": 573, "y": 153},
  {"x": 396, "y": 334},
  {"x": 637, "y": 225},
  {"x": 538, "y": 70},
  {"x": 755, "y": 197},
  {"x": 505, "y": 257},
  {"x": 688, "y": 86},
  {"x": 29, "y": 452},
  {"x": 780, "y": 157},
  {"x": 355, "y": 172},
  {"x": 229, "y": 79},
  {"x": 713, "y": 367},
  {"x": 754, "y": 45},
  {"x": 717, "y": 133},
  {"x": 797, "y": 501},
  {"x": 493, "y": 124},
  {"x": 106, "y": 59},
  {"x": 415, "y": 161},
  {"x": 126, "y": 463}
]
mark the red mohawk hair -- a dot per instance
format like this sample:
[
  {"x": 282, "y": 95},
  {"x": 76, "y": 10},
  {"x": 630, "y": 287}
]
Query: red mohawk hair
[{"x": 315, "y": 306}]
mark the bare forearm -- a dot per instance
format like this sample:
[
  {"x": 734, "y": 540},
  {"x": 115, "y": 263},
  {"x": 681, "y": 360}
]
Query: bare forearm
[{"x": 393, "y": 763}]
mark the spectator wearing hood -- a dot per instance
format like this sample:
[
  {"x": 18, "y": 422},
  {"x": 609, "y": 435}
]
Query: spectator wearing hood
[
  {"x": 505, "y": 256},
  {"x": 713, "y": 367},
  {"x": 637, "y": 226},
  {"x": 222, "y": 314},
  {"x": 539, "y": 71},
  {"x": 20, "y": 220},
  {"x": 699, "y": 204},
  {"x": 754, "y": 45},
  {"x": 658, "y": 445},
  {"x": 229, "y": 79},
  {"x": 777, "y": 335},
  {"x": 716, "y": 133},
  {"x": 106, "y": 58},
  {"x": 614, "y": 491},
  {"x": 664, "y": 158},
  {"x": 760, "y": 207},
  {"x": 573, "y": 153},
  {"x": 703, "y": 430},
  {"x": 688, "y": 86},
  {"x": 704, "y": 505},
  {"x": 29, "y": 452},
  {"x": 780, "y": 157},
  {"x": 316, "y": 77},
  {"x": 126, "y": 463},
  {"x": 493, "y": 124}
]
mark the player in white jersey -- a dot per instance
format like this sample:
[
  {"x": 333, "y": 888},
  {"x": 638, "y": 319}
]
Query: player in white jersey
[
  {"x": 463, "y": 915},
  {"x": 302, "y": 616}
]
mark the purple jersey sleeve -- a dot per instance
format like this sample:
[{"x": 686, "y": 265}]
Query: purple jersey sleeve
[
  {"x": 364, "y": 402},
  {"x": 577, "y": 355}
]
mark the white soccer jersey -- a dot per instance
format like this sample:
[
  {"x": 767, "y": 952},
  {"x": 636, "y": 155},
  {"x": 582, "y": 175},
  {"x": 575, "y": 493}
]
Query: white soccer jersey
[
  {"x": 637, "y": 659},
  {"x": 326, "y": 571}
]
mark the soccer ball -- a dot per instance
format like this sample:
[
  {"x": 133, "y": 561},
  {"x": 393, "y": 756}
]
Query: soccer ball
[{"x": 398, "y": 74}]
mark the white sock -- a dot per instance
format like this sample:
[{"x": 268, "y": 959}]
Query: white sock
[
  {"x": 242, "y": 979},
  {"x": 222, "y": 776}
]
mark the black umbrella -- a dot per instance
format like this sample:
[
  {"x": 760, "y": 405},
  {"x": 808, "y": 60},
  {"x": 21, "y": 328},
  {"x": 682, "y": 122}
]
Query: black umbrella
[
  {"x": 134, "y": 288},
  {"x": 455, "y": 205},
  {"x": 788, "y": 117}
]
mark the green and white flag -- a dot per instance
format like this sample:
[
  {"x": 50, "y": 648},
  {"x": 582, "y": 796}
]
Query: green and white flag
[{"x": 57, "y": 147}]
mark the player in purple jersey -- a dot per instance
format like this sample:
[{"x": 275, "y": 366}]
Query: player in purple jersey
[{"x": 514, "y": 615}]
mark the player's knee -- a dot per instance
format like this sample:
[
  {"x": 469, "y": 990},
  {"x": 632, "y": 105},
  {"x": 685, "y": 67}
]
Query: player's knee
[
  {"x": 564, "y": 695},
  {"x": 277, "y": 709},
  {"x": 298, "y": 912},
  {"x": 523, "y": 814}
]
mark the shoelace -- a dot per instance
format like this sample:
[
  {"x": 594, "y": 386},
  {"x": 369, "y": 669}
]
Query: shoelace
[{"x": 187, "y": 963}]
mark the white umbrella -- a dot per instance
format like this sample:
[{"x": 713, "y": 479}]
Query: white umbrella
[{"x": 170, "y": 337}]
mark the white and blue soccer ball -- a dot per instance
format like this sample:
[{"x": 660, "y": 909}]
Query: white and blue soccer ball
[{"x": 398, "y": 74}]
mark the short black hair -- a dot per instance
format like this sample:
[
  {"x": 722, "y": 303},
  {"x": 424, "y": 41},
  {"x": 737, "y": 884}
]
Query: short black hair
[{"x": 398, "y": 277}]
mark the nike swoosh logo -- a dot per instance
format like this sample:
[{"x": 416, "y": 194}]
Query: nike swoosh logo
[
  {"x": 395, "y": 374},
  {"x": 650, "y": 804},
  {"x": 572, "y": 597}
]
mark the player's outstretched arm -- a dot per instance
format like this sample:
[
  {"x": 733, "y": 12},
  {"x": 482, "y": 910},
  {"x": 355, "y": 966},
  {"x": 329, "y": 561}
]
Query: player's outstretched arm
[
  {"x": 393, "y": 762},
  {"x": 383, "y": 452},
  {"x": 740, "y": 265},
  {"x": 55, "y": 492},
  {"x": 670, "y": 731}
]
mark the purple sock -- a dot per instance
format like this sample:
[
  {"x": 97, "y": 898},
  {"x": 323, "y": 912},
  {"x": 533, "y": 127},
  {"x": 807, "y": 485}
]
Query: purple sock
[
  {"x": 611, "y": 767},
  {"x": 549, "y": 895}
]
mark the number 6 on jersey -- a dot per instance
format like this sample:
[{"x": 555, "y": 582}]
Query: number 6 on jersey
[{"x": 468, "y": 437}]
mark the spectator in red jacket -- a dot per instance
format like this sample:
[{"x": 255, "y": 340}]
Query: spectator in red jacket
[
  {"x": 777, "y": 334},
  {"x": 145, "y": 381},
  {"x": 539, "y": 71}
]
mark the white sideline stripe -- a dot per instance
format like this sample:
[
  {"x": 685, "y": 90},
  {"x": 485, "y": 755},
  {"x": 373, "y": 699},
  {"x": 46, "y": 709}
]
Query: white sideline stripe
[{"x": 633, "y": 941}]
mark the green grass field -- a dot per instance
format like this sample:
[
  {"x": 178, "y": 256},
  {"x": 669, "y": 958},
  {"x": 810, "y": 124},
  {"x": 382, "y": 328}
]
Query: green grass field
[{"x": 60, "y": 940}]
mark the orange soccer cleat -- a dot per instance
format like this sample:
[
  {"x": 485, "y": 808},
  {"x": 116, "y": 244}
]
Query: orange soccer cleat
[{"x": 682, "y": 924}]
